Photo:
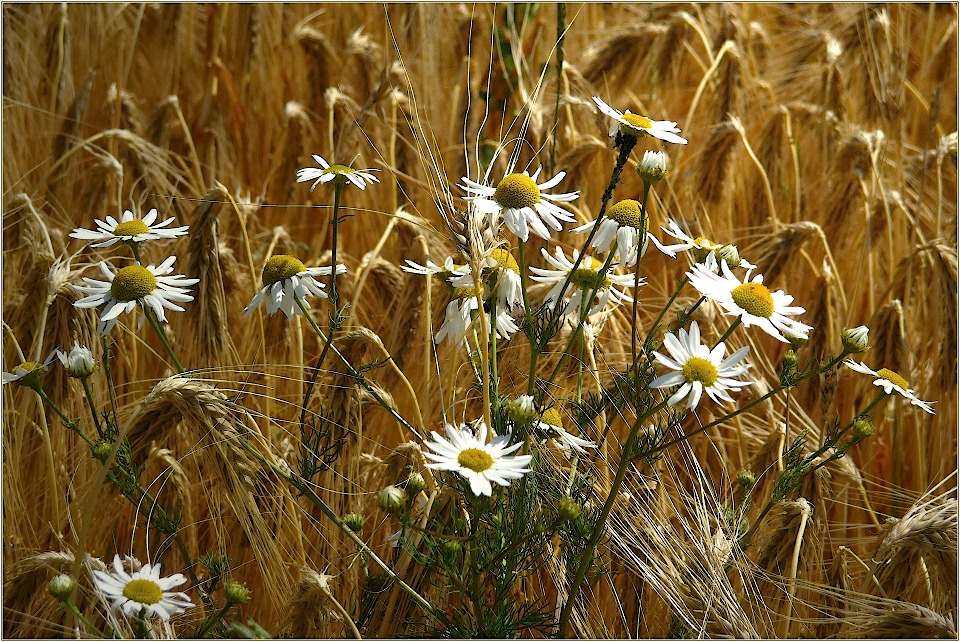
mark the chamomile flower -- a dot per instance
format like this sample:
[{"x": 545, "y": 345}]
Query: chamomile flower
[
  {"x": 750, "y": 300},
  {"x": 700, "y": 246},
  {"x": 699, "y": 369},
  {"x": 445, "y": 271},
  {"x": 284, "y": 279},
  {"x": 79, "y": 362},
  {"x": 461, "y": 313},
  {"x": 546, "y": 427},
  {"x": 524, "y": 204},
  {"x": 891, "y": 382},
  {"x": 338, "y": 173},
  {"x": 501, "y": 273},
  {"x": 28, "y": 373},
  {"x": 142, "y": 593},
  {"x": 129, "y": 229},
  {"x": 639, "y": 126},
  {"x": 623, "y": 222},
  {"x": 481, "y": 463},
  {"x": 583, "y": 280},
  {"x": 135, "y": 285}
]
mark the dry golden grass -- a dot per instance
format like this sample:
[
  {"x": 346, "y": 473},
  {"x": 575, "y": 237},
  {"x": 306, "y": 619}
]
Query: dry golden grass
[{"x": 822, "y": 141}]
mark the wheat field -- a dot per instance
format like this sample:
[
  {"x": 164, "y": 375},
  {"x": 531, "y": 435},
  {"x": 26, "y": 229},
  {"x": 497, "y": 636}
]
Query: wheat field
[{"x": 822, "y": 141}]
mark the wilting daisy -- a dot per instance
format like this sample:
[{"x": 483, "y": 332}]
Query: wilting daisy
[
  {"x": 338, "y": 173},
  {"x": 891, "y": 382},
  {"x": 583, "y": 280},
  {"x": 700, "y": 246},
  {"x": 142, "y": 593},
  {"x": 699, "y": 369},
  {"x": 548, "y": 426},
  {"x": 501, "y": 274},
  {"x": 521, "y": 201},
  {"x": 461, "y": 313},
  {"x": 639, "y": 126},
  {"x": 468, "y": 454},
  {"x": 446, "y": 271},
  {"x": 624, "y": 223},
  {"x": 79, "y": 362},
  {"x": 123, "y": 290},
  {"x": 129, "y": 229},
  {"x": 28, "y": 373},
  {"x": 750, "y": 300},
  {"x": 284, "y": 279}
]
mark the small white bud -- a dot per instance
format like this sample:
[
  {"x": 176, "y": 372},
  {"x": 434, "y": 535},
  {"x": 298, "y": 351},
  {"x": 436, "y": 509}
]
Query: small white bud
[
  {"x": 653, "y": 166},
  {"x": 855, "y": 340},
  {"x": 79, "y": 362}
]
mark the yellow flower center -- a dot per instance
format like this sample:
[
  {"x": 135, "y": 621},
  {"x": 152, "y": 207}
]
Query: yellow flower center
[
  {"x": 637, "y": 122},
  {"x": 339, "y": 169},
  {"x": 505, "y": 260},
  {"x": 754, "y": 298},
  {"x": 29, "y": 366},
  {"x": 132, "y": 282},
  {"x": 627, "y": 214},
  {"x": 893, "y": 378},
  {"x": 143, "y": 591},
  {"x": 475, "y": 459},
  {"x": 131, "y": 228},
  {"x": 466, "y": 293},
  {"x": 699, "y": 369},
  {"x": 588, "y": 278},
  {"x": 551, "y": 417},
  {"x": 517, "y": 191},
  {"x": 281, "y": 267},
  {"x": 705, "y": 243}
]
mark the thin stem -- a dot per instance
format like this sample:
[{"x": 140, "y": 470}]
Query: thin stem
[
  {"x": 71, "y": 424},
  {"x": 70, "y": 606},
  {"x": 636, "y": 283},
  {"x": 534, "y": 349},
  {"x": 561, "y": 31},
  {"x": 733, "y": 326},
  {"x": 155, "y": 324},
  {"x": 88, "y": 392},
  {"x": 212, "y": 620},
  {"x": 659, "y": 318},
  {"x": 135, "y": 247}
]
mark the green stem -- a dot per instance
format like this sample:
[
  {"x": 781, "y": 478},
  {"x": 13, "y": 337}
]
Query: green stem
[
  {"x": 534, "y": 349},
  {"x": 155, "y": 324},
  {"x": 135, "y": 247},
  {"x": 659, "y": 318},
  {"x": 733, "y": 326},
  {"x": 88, "y": 392},
  {"x": 561, "y": 31},
  {"x": 326, "y": 510},
  {"x": 636, "y": 283},
  {"x": 70, "y": 606},
  {"x": 212, "y": 620},
  {"x": 354, "y": 372},
  {"x": 70, "y": 423}
]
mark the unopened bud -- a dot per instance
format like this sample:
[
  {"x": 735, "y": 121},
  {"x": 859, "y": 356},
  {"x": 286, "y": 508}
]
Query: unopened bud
[
  {"x": 236, "y": 592},
  {"x": 568, "y": 510},
  {"x": 415, "y": 483},
  {"x": 101, "y": 450},
  {"x": 521, "y": 410},
  {"x": 746, "y": 478},
  {"x": 354, "y": 521},
  {"x": 392, "y": 500},
  {"x": 862, "y": 427},
  {"x": 730, "y": 254},
  {"x": 855, "y": 340},
  {"x": 79, "y": 362},
  {"x": 61, "y": 587},
  {"x": 653, "y": 166}
]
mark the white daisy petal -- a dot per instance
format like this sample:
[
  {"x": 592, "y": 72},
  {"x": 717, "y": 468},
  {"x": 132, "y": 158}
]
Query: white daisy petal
[{"x": 142, "y": 591}]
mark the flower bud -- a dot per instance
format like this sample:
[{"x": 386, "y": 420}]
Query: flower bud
[
  {"x": 653, "y": 166},
  {"x": 521, "y": 411},
  {"x": 392, "y": 500},
  {"x": 101, "y": 450},
  {"x": 415, "y": 483},
  {"x": 797, "y": 341},
  {"x": 79, "y": 362},
  {"x": 61, "y": 587},
  {"x": 568, "y": 510},
  {"x": 236, "y": 592},
  {"x": 451, "y": 548},
  {"x": 855, "y": 340},
  {"x": 354, "y": 521},
  {"x": 862, "y": 427},
  {"x": 746, "y": 478},
  {"x": 730, "y": 254}
]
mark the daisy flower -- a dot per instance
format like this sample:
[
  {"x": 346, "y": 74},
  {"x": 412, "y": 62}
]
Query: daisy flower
[
  {"x": 548, "y": 426},
  {"x": 501, "y": 273},
  {"x": 284, "y": 279},
  {"x": 28, "y": 373},
  {"x": 582, "y": 281},
  {"x": 700, "y": 246},
  {"x": 891, "y": 382},
  {"x": 699, "y": 369},
  {"x": 474, "y": 459},
  {"x": 143, "y": 593},
  {"x": 623, "y": 223},
  {"x": 338, "y": 173},
  {"x": 460, "y": 315},
  {"x": 638, "y": 126},
  {"x": 446, "y": 271},
  {"x": 122, "y": 291},
  {"x": 79, "y": 362},
  {"x": 129, "y": 229},
  {"x": 750, "y": 300},
  {"x": 521, "y": 201}
]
